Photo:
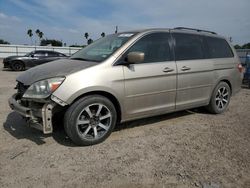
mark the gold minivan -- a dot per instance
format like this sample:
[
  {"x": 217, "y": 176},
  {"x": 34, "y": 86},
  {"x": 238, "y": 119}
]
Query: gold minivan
[{"x": 127, "y": 76}]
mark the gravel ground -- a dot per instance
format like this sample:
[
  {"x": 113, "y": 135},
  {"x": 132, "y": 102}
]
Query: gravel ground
[{"x": 185, "y": 149}]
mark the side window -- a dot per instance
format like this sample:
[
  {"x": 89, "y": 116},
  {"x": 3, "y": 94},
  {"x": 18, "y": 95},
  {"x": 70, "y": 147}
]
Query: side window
[
  {"x": 188, "y": 46},
  {"x": 155, "y": 47},
  {"x": 39, "y": 54},
  {"x": 60, "y": 55},
  {"x": 218, "y": 48},
  {"x": 52, "y": 54}
]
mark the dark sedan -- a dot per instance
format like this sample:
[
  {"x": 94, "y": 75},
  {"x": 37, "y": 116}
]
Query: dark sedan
[{"x": 34, "y": 58}]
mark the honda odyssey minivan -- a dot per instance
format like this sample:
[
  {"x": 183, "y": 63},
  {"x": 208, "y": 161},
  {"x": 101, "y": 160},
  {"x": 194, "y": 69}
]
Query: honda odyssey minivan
[{"x": 127, "y": 76}]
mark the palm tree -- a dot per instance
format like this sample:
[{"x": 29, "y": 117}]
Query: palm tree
[
  {"x": 40, "y": 35},
  {"x": 86, "y": 35},
  {"x": 30, "y": 34},
  {"x": 37, "y": 32},
  {"x": 90, "y": 41},
  {"x": 103, "y": 34}
]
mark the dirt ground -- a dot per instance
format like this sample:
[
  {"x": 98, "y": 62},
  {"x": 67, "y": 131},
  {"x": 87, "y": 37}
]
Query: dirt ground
[{"x": 185, "y": 149}]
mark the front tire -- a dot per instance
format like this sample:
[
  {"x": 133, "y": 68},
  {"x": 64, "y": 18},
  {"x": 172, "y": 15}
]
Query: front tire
[
  {"x": 220, "y": 98},
  {"x": 90, "y": 120},
  {"x": 17, "y": 66}
]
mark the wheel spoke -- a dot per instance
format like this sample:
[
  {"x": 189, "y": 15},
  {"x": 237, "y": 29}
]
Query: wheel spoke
[
  {"x": 99, "y": 110},
  {"x": 224, "y": 100},
  {"x": 219, "y": 92},
  {"x": 221, "y": 104},
  {"x": 223, "y": 90},
  {"x": 95, "y": 132},
  {"x": 82, "y": 122},
  {"x": 89, "y": 112},
  {"x": 105, "y": 116},
  {"x": 87, "y": 130},
  {"x": 217, "y": 98},
  {"x": 225, "y": 94},
  {"x": 103, "y": 126}
]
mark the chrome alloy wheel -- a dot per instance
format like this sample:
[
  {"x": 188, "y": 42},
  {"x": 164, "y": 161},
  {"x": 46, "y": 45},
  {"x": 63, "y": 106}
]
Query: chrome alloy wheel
[
  {"x": 94, "y": 121},
  {"x": 222, "y": 98}
]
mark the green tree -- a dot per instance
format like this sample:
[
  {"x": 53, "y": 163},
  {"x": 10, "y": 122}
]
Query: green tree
[
  {"x": 52, "y": 42},
  {"x": 86, "y": 35},
  {"x": 103, "y": 34},
  {"x": 90, "y": 41},
  {"x": 30, "y": 34},
  {"x": 40, "y": 35},
  {"x": 37, "y": 32},
  {"x": 246, "y": 46},
  {"x": 237, "y": 46},
  {"x": 3, "y": 42}
]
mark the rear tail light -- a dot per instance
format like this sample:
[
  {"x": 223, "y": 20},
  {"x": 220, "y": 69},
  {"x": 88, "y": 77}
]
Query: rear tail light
[{"x": 240, "y": 68}]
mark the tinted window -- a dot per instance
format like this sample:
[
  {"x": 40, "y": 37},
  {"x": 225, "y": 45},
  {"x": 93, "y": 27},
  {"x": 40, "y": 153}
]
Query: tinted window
[
  {"x": 40, "y": 53},
  {"x": 61, "y": 55},
  {"x": 188, "y": 46},
  {"x": 218, "y": 48},
  {"x": 52, "y": 54},
  {"x": 155, "y": 47}
]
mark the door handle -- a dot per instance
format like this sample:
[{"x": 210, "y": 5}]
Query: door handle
[
  {"x": 167, "y": 69},
  {"x": 184, "y": 68}
]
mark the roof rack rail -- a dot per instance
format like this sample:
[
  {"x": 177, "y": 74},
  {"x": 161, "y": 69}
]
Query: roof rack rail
[{"x": 192, "y": 29}]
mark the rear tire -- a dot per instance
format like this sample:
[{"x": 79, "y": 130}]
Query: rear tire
[
  {"x": 90, "y": 120},
  {"x": 17, "y": 66},
  {"x": 220, "y": 98}
]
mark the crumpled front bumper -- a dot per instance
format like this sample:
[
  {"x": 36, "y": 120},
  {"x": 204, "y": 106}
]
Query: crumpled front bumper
[
  {"x": 39, "y": 118},
  {"x": 6, "y": 63}
]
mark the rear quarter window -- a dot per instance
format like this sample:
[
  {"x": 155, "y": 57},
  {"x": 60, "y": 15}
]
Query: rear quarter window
[{"x": 218, "y": 48}]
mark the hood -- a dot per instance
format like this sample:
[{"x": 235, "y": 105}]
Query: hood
[
  {"x": 13, "y": 57},
  {"x": 61, "y": 67}
]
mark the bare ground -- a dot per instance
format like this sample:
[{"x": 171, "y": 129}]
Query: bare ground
[{"x": 185, "y": 149}]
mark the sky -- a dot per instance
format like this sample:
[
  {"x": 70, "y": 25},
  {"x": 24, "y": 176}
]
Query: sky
[{"x": 67, "y": 21}]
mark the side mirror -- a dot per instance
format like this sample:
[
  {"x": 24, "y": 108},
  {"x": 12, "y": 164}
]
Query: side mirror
[
  {"x": 135, "y": 57},
  {"x": 32, "y": 55}
]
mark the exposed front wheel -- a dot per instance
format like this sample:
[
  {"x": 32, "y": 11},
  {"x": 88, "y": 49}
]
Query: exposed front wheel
[
  {"x": 90, "y": 120},
  {"x": 220, "y": 98}
]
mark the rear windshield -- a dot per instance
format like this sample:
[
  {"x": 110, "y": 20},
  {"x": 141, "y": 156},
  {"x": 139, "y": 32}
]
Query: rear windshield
[{"x": 101, "y": 49}]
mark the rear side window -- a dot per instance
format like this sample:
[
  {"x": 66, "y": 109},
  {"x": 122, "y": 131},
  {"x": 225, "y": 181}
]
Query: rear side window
[
  {"x": 155, "y": 46},
  {"x": 218, "y": 48},
  {"x": 188, "y": 46}
]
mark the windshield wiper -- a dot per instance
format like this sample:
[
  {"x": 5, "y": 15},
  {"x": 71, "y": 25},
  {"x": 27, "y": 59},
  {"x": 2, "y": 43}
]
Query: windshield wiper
[{"x": 83, "y": 59}]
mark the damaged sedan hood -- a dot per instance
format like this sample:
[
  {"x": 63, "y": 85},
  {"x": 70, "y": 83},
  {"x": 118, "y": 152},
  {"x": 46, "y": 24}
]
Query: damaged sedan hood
[{"x": 62, "y": 67}]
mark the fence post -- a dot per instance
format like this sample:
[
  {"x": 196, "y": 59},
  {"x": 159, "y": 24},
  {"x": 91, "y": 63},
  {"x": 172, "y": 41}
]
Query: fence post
[{"x": 16, "y": 50}]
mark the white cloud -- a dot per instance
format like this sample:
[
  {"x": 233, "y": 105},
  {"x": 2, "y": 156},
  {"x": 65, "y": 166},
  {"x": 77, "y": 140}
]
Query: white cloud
[
  {"x": 68, "y": 20},
  {"x": 2, "y": 15}
]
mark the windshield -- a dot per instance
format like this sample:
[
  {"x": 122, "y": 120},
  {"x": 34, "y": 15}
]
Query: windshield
[{"x": 101, "y": 49}]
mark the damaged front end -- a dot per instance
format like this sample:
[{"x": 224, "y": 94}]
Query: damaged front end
[{"x": 37, "y": 111}]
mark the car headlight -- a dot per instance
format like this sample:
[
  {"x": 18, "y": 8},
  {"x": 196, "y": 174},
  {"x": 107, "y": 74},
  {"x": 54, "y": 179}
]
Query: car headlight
[{"x": 44, "y": 88}]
